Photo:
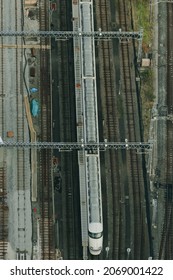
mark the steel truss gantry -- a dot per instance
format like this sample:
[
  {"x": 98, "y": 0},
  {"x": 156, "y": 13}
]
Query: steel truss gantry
[
  {"x": 70, "y": 146},
  {"x": 70, "y": 34}
]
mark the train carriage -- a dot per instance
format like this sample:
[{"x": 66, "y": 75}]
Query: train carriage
[{"x": 92, "y": 159}]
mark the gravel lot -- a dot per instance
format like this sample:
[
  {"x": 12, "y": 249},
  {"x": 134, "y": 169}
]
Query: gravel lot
[{"x": 18, "y": 193}]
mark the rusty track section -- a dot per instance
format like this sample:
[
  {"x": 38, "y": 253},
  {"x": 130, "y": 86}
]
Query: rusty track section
[
  {"x": 45, "y": 180},
  {"x": 166, "y": 246}
]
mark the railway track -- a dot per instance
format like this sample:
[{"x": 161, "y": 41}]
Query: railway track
[
  {"x": 45, "y": 157},
  {"x": 2, "y": 73},
  {"x": 133, "y": 160},
  {"x": 166, "y": 251},
  {"x": 115, "y": 213},
  {"x": 3, "y": 186},
  {"x": 169, "y": 176},
  {"x": 127, "y": 227},
  {"x": 3, "y": 213},
  {"x": 70, "y": 189},
  {"x": 20, "y": 113}
]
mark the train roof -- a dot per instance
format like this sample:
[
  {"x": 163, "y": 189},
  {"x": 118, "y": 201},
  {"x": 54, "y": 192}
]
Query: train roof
[{"x": 95, "y": 227}]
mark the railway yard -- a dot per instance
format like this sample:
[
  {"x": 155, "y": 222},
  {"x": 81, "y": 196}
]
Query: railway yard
[{"x": 83, "y": 200}]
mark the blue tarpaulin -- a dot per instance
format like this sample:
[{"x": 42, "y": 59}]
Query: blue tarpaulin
[
  {"x": 33, "y": 90},
  {"x": 34, "y": 108}
]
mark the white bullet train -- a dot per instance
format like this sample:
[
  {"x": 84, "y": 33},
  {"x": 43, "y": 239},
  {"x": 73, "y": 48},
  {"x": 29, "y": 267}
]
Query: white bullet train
[
  {"x": 92, "y": 158},
  {"x": 94, "y": 198}
]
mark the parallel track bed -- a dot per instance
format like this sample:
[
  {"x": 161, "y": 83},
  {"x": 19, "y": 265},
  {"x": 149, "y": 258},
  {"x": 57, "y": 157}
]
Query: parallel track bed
[
  {"x": 133, "y": 160},
  {"x": 3, "y": 186},
  {"x": 112, "y": 129},
  {"x": 2, "y": 72},
  {"x": 166, "y": 251},
  {"x": 128, "y": 216},
  {"x": 20, "y": 132},
  {"x": 3, "y": 214},
  {"x": 169, "y": 175},
  {"x": 68, "y": 160},
  {"x": 45, "y": 162}
]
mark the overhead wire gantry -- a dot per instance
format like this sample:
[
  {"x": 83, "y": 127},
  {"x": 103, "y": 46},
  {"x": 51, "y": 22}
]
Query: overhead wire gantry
[
  {"x": 69, "y": 146},
  {"x": 75, "y": 146},
  {"x": 70, "y": 34}
]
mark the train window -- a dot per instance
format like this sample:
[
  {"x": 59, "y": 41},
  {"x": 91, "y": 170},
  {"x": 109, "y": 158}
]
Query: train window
[{"x": 95, "y": 235}]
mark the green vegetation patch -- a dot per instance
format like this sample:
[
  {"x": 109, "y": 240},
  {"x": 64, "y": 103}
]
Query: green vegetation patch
[
  {"x": 148, "y": 97},
  {"x": 143, "y": 18},
  {"x": 142, "y": 13}
]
